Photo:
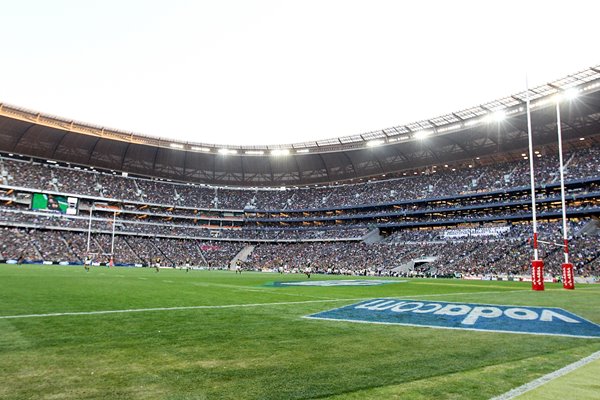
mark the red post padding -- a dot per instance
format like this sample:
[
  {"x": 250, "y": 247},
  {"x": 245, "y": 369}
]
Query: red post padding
[
  {"x": 537, "y": 275},
  {"x": 567, "y": 276}
]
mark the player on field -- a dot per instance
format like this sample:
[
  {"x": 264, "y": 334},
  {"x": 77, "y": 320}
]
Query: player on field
[
  {"x": 308, "y": 269},
  {"x": 86, "y": 263}
]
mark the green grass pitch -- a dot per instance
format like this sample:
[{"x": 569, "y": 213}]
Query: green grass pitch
[{"x": 253, "y": 348}]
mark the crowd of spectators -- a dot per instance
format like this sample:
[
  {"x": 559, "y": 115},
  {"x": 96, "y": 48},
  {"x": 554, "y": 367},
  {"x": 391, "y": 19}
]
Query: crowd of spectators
[
  {"x": 36, "y": 245},
  {"x": 171, "y": 228},
  {"x": 177, "y": 236},
  {"x": 433, "y": 182},
  {"x": 500, "y": 251},
  {"x": 16, "y": 245},
  {"x": 507, "y": 251},
  {"x": 323, "y": 257},
  {"x": 521, "y": 197}
]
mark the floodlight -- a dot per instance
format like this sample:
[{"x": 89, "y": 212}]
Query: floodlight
[
  {"x": 421, "y": 134},
  {"x": 280, "y": 152},
  {"x": 227, "y": 151},
  {"x": 254, "y": 152},
  {"x": 302, "y": 151},
  {"x": 571, "y": 93},
  {"x": 496, "y": 116},
  {"x": 374, "y": 143},
  {"x": 204, "y": 149},
  {"x": 176, "y": 146}
]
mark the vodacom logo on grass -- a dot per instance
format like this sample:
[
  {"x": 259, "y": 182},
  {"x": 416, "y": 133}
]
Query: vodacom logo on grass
[{"x": 481, "y": 317}]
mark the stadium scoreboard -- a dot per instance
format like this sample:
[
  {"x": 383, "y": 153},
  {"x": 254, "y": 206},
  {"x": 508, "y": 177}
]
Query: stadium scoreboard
[{"x": 50, "y": 202}]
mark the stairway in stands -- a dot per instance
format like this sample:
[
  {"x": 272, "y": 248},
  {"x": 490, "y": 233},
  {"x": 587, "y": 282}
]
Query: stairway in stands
[{"x": 242, "y": 255}]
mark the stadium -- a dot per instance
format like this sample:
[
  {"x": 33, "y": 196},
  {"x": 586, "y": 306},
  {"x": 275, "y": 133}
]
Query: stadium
[
  {"x": 396, "y": 263},
  {"x": 449, "y": 186},
  {"x": 441, "y": 198}
]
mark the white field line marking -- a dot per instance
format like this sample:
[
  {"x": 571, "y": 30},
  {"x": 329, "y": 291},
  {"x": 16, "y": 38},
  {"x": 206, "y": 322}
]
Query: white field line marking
[
  {"x": 414, "y": 296},
  {"x": 225, "y": 306},
  {"x": 263, "y": 289},
  {"x": 547, "y": 378},
  {"x": 132, "y": 310},
  {"x": 240, "y": 288},
  {"x": 307, "y": 296}
]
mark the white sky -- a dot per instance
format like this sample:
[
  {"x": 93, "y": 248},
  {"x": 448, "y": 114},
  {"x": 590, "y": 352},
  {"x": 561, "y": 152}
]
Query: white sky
[{"x": 272, "y": 72}]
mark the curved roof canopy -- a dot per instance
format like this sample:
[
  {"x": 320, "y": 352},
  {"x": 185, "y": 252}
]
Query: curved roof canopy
[{"x": 491, "y": 129}]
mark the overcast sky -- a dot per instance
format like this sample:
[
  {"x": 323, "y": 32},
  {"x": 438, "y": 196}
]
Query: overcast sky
[{"x": 273, "y": 72}]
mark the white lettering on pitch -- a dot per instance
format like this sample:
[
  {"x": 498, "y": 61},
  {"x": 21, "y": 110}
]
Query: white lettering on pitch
[
  {"x": 548, "y": 315},
  {"x": 410, "y": 306},
  {"x": 424, "y": 309},
  {"x": 378, "y": 305},
  {"x": 472, "y": 313},
  {"x": 453, "y": 309},
  {"x": 485, "y": 312},
  {"x": 521, "y": 314}
]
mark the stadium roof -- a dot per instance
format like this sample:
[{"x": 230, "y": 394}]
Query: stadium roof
[{"x": 491, "y": 129}]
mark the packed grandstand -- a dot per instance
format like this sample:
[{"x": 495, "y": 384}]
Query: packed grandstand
[{"x": 462, "y": 212}]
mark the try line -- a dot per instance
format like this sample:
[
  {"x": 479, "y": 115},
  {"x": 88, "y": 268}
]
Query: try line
[
  {"x": 137, "y": 310},
  {"x": 134, "y": 310}
]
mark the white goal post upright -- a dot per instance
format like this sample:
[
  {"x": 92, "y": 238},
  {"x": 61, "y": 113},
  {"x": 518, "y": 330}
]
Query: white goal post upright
[
  {"x": 537, "y": 265},
  {"x": 567, "y": 268}
]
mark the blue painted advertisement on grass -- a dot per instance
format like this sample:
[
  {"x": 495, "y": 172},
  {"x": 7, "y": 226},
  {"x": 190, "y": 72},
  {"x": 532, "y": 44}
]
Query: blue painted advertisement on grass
[{"x": 480, "y": 317}]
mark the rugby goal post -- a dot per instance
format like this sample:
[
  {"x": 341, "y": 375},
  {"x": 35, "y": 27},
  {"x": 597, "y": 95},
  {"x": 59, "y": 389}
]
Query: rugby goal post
[{"x": 537, "y": 265}]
